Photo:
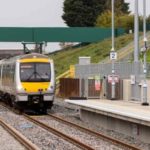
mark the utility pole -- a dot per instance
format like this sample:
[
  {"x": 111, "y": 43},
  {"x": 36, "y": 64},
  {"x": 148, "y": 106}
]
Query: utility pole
[{"x": 144, "y": 98}]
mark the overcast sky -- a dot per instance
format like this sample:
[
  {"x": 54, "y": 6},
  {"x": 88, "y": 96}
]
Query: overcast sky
[
  {"x": 140, "y": 6},
  {"x": 31, "y": 13},
  {"x": 38, "y": 13}
]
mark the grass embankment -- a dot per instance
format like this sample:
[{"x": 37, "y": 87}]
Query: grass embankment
[
  {"x": 148, "y": 56},
  {"x": 97, "y": 51}
]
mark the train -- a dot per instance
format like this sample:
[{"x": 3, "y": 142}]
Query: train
[{"x": 28, "y": 81}]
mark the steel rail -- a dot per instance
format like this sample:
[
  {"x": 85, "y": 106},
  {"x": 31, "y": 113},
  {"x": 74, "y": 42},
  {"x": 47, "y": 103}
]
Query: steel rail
[
  {"x": 20, "y": 138},
  {"x": 70, "y": 139},
  {"x": 99, "y": 135},
  {"x": 50, "y": 129},
  {"x": 58, "y": 133}
]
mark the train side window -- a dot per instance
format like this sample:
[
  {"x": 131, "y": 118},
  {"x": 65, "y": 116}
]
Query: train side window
[
  {"x": 0, "y": 72},
  {"x": 12, "y": 71}
]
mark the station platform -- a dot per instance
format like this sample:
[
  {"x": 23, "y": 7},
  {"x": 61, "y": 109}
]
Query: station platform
[{"x": 127, "y": 117}]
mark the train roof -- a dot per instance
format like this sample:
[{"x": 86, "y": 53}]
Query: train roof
[{"x": 31, "y": 55}]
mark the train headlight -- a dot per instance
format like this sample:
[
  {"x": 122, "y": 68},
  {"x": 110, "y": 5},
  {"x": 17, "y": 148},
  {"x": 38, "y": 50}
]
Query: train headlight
[
  {"x": 50, "y": 89},
  {"x": 20, "y": 88}
]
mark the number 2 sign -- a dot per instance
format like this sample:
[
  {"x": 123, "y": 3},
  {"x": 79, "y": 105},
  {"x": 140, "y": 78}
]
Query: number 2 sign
[{"x": 113, "y": 55}]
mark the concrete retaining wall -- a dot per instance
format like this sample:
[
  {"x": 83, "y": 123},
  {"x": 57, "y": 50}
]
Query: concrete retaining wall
[{"x": 128, "y": 128}]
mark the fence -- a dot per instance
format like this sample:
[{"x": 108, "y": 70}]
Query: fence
[
  {"x": 123, "y": 69},
  {"x": 69, "y": 87},
  {"x": 64, "y": 75}
]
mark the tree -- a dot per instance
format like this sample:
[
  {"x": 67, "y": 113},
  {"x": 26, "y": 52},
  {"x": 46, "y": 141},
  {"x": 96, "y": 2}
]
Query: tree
[
  {"x": 148, "y": 20},
  {"x": 121, "y": 21},
  {"x": 121, "y": 7},
  {"x": 126, "y": 22},
  {"x": 104, "y": 20},
  {"x": 83, "y": 13}
]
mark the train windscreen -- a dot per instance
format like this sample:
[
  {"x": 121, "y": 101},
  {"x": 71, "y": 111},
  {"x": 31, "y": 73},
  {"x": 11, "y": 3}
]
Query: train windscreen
[{"x": 35, "y": 72}]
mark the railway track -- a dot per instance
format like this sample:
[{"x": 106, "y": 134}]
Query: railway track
[
  {"x": 50, "y": 129},
  {"x": 19, "y": 137},
  {"x": 87, "y": 131},
  {"x": 58, "y": 133},
  {"x": 71, "y": 139},
  {"x": 91, "y": 132}
]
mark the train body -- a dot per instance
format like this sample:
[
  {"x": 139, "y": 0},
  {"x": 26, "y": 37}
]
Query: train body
[{"x": 28, "y": 81}]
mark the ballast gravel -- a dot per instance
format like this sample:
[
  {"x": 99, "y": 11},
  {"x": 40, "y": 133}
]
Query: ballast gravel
[
  {"x": 83, "y": 137},
  {"x": 40, "y": 137},
  {"x": 8, "y": 142},
  {"x": 47, "y": 141},
  {"x": 71, "y": 113}
]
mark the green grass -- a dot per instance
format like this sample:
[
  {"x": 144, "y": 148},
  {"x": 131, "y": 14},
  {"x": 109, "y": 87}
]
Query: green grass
[
  {"x": 97, "y": 51},
  {"x": 148, "y": 55}
]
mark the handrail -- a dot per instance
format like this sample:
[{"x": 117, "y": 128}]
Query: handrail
[{"x": 63, "y": 75}]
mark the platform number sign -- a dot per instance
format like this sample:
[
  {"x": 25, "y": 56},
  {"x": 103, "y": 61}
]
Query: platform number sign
[{"x": 113, "y": 55}]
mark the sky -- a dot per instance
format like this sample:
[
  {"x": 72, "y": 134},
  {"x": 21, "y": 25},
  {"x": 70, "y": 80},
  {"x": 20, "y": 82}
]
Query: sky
[
  {"x": 31, "y": 13},
  {"x": 39, "y": 13},
  {"x": 140, "y": 6}
]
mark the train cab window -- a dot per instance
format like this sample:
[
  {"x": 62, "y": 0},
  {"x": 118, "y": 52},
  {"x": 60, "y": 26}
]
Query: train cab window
[{"x": 35, "y": 72}]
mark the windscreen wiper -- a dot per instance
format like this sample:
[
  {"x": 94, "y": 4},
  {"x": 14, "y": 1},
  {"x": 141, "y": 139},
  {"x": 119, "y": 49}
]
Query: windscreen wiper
[{"x": 35, "y": 73}]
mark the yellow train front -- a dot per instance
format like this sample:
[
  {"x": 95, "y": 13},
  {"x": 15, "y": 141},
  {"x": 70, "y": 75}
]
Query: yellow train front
[{"x": 28, "y": 81}]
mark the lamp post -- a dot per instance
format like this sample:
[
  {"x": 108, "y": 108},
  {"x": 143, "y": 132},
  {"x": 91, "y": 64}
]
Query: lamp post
[
  {"x": 136, "y": 46},
  {"x": 113, "y": 26},
  {"x": 113, "y": 55},
  {"x": 136, "y": 33},
  {"x": 144, "y": 98}
]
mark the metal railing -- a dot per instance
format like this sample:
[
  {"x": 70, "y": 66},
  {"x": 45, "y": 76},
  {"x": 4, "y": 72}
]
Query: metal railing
[{"x": 123, "y": 69}]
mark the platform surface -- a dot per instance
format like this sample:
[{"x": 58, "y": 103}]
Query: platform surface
[{"x": 125, "y": 110}]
